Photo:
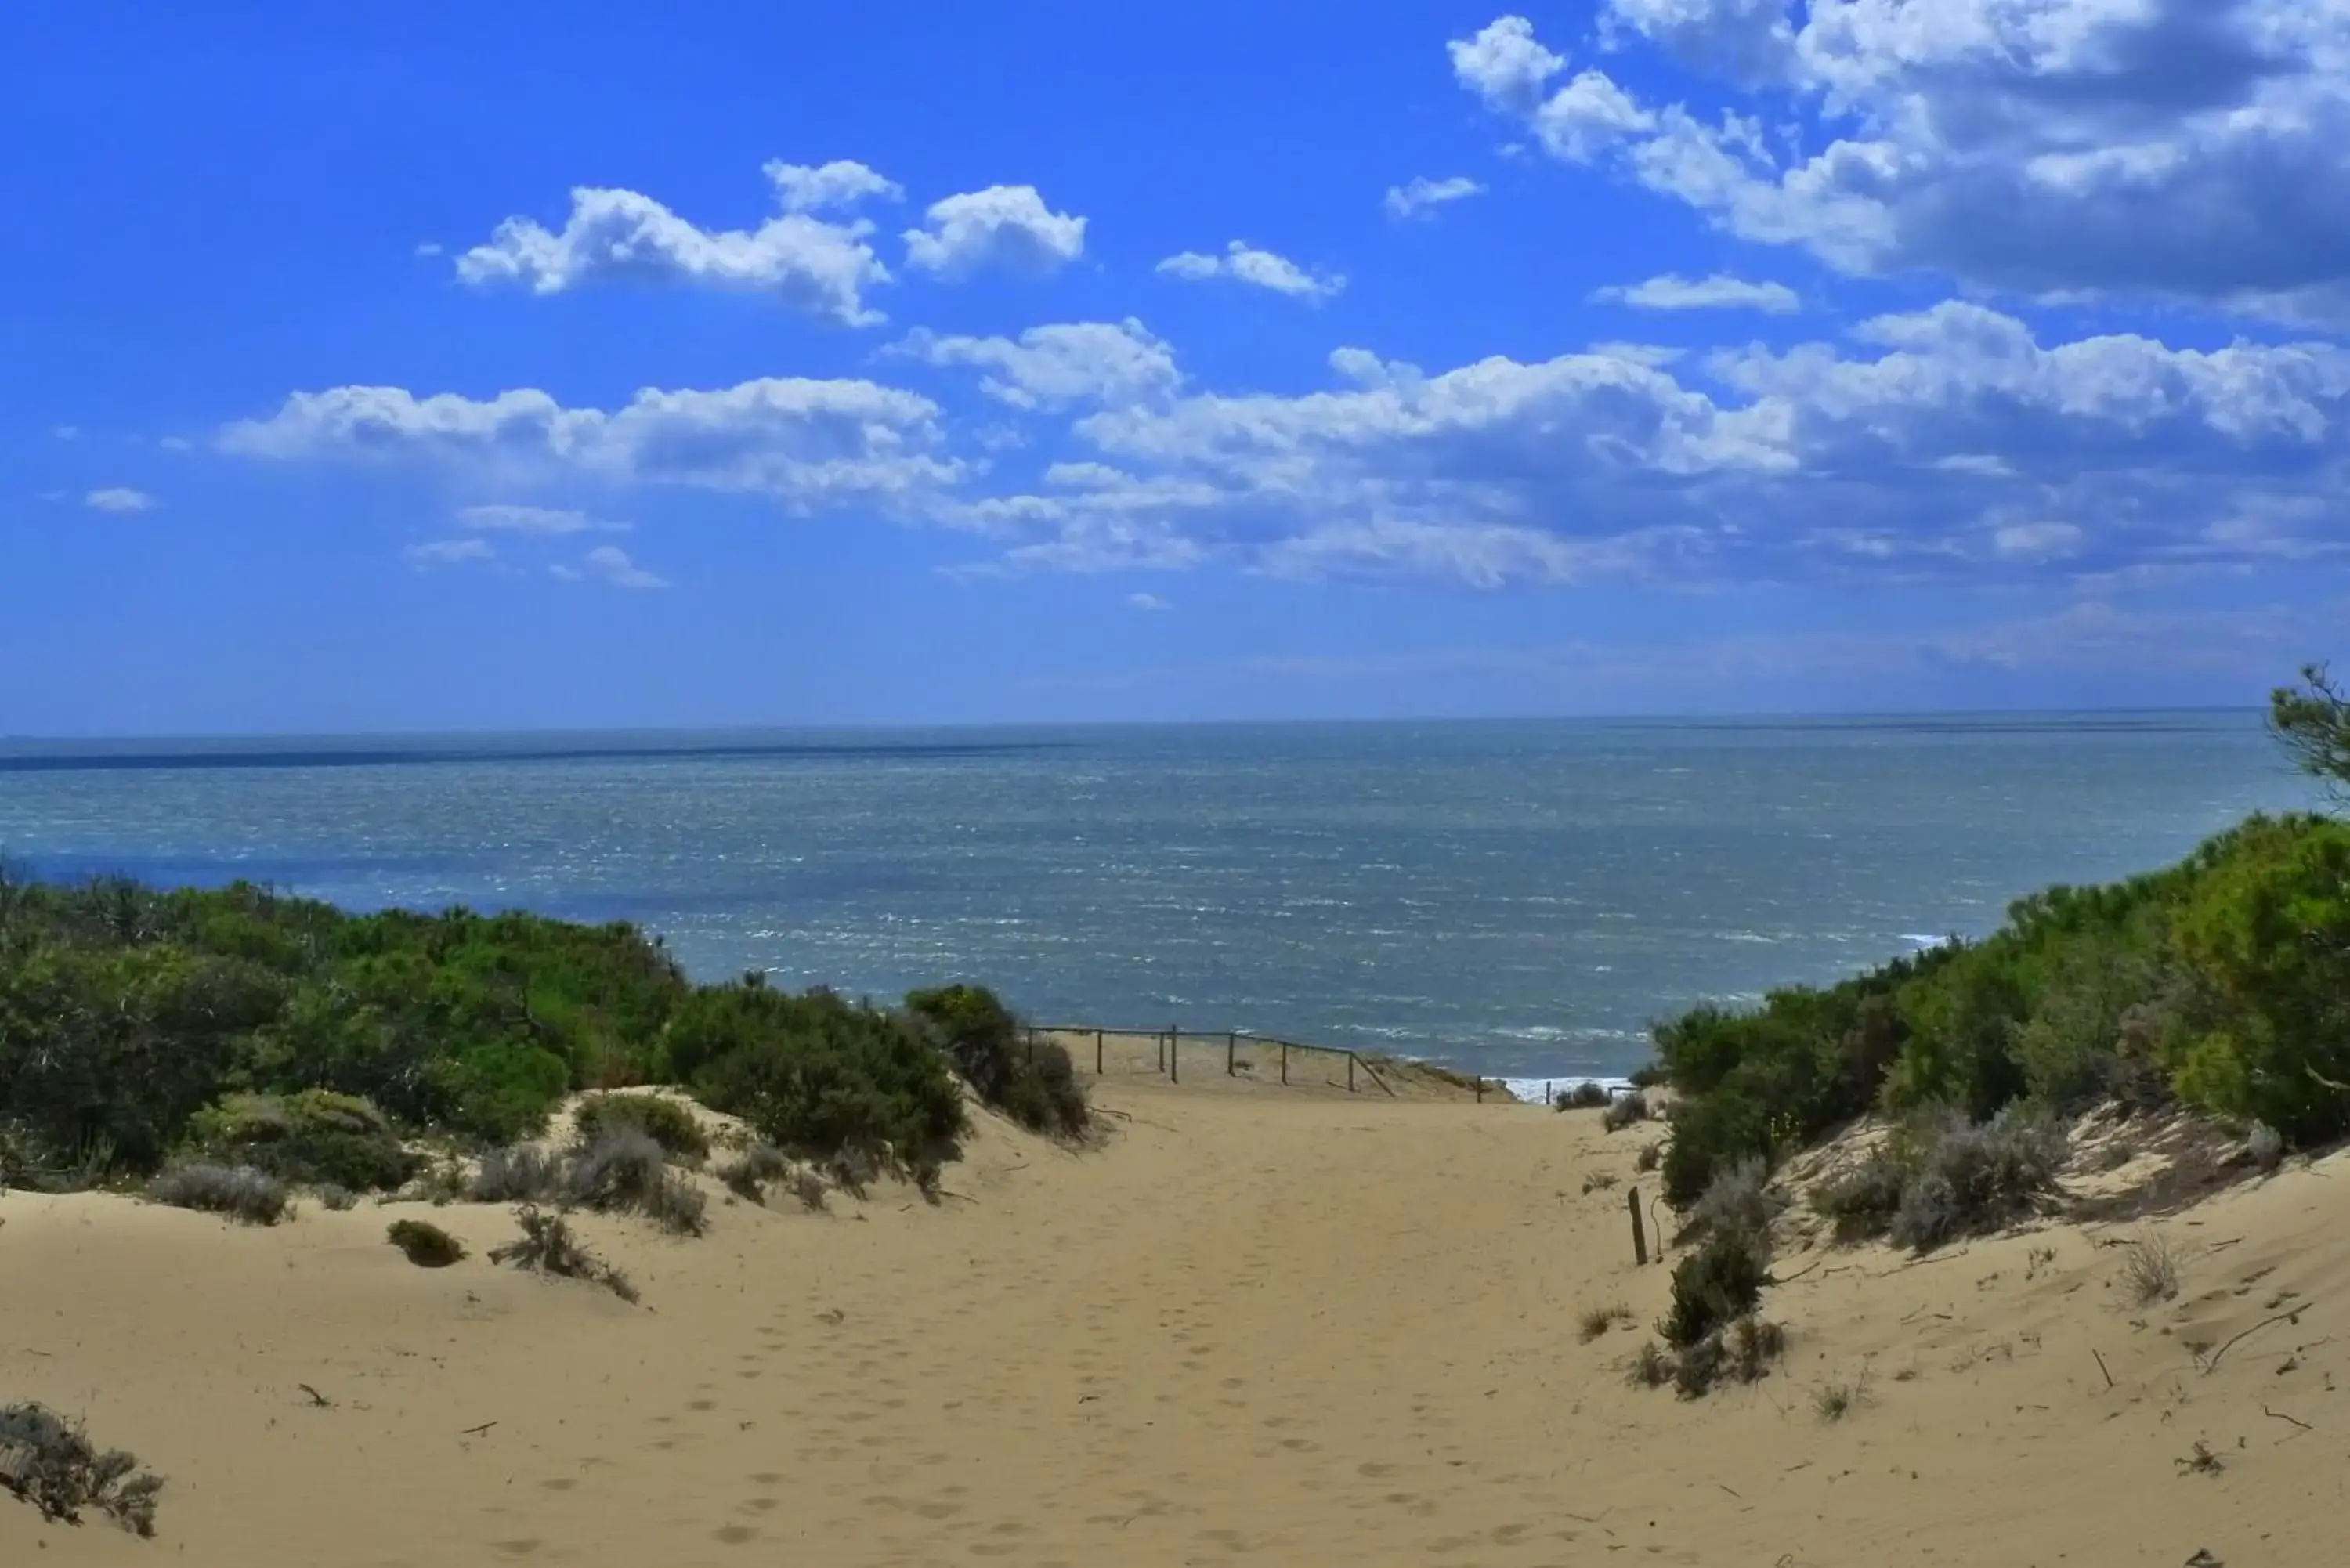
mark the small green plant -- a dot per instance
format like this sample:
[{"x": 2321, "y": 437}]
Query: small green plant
[
  {"x": 243, "y": 1194},
  {"x": 666, "y": 1122},
  {"x": 546, "y": 1246},
  {"x": 1832, "y": 1402},
  {"x": 2200, "y": 1461},
  {"x": 1713, "y": 1286},
  {"x": 425, "y": 1245},
  {"x": 49, "y": 1463}
]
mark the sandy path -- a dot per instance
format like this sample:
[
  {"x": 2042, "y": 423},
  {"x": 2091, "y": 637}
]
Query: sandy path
[{"x": 1287, "y": 1328}]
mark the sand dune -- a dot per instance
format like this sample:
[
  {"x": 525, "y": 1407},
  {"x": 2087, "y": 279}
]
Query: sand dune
[{"x": 1281, "y": 1327}]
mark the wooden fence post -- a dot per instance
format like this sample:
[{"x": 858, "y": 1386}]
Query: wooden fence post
[
  {"x": 1350, "y": 1072},
  {"x": 1174, "y": 1049},
  {"x": 1480, "y": 1089},
  {"x": 1231, "y": 1053},
  {"x": 1097, "y": 1052},
  {"x": 1285, "y": 1063},
  {"x": 1640, "y": 1232}
]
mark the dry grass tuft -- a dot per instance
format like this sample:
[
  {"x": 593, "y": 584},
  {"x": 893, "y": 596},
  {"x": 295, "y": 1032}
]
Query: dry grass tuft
[
  {"x": 49, "y": 1463},
  {"x": 2149, "y": 1270}
]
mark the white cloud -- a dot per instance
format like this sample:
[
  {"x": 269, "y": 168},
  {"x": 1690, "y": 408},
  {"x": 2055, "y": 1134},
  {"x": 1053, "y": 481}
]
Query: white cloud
[
  {"x": 1005, "y": 227},
  {"x": 611, "y": 565},
  {"x": 507, "y": 518},
  {"x": 1946, "y": 444},
  {"x": 66, "y": 432},
  {"x": 839, "y": 183},
  {"x": 1423, "y": 195},
  {"x": 1506, "y": 65},
  {"x": 2179, "y": 149},
  {"x": 119, "y": 498},
  {"x": 1150, "y": 602},
  {"x": 1050, "y": 367},
  {"x": 808, "y": 443},
  {"x": 816, "y": 265},
  {"x": 427, "y": 249},
  {"x": 176, "y": 443},
  {"x": 1719, "y": 291},
  {"x": 1242, "y": 263},
  {"x": 449, "y": 553}
]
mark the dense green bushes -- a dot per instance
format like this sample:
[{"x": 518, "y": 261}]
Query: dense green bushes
[
  {"x": 245, "y": 1029},
  {"x": 815, "y": 1073},
  {"x": 2223, "y": 983},
  {"x": 1030, "y": 1081}
]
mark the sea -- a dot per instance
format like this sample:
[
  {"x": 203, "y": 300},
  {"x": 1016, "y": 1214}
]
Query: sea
[{"x": 1522, "y": 900}]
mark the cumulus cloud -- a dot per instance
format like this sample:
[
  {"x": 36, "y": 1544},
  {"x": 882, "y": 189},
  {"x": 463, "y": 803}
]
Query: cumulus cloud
[
  {"x": 505, "y": 517},
  {"x": 449, "y": 553},
  {"x": 1423, "y": 196},
  {"x": 2180, "y": 149},
  {"x": 611, "y": 565},
  {"x": 807, "y": 443},
  {"x": 1719, "y": 291},
  {"x": 1947, "y": 442},
  {"x": 119, "y": 498},
  {"x": 1148, "y": 602},
  {"x": 1052, "y": 367},
  {"x": 1242, "y": 263},
  {"x": 816, "y": 265},
  {"x": 1003, "y": 228}
]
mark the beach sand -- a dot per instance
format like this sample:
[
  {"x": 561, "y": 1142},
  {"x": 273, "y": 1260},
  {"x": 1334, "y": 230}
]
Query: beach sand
[{"x": 1289, "y": 1327}]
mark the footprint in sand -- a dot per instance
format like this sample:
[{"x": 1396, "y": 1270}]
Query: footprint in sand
[{"x": 733, "y": 1534}]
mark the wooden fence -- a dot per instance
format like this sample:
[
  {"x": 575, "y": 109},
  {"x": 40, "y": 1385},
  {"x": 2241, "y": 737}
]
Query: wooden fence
[{"x": 1210, "y": 1051}]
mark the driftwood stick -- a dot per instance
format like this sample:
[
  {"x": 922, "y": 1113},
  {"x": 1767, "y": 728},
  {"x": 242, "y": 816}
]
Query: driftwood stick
[
  {"x": 2101, "y": 1366},
  {"x": 475, "y": 1431},
  {"x": 2281, "y": 1415},
  {"x": 2293, "y": 1316}
]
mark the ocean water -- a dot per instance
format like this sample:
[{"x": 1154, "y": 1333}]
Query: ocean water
[{"x": 1521, "y": 899}]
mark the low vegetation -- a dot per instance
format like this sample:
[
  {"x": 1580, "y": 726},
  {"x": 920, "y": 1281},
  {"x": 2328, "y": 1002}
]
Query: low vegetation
[
  {"x": 424, "y": 1244},
  {"x": 2222, "y": 984},
  {"x": 1581, "y": 1097},
  {"x": 658, "y": 1117},
  {"x": 2149, "y": 1270},
  {"x": 1598, "y": 1321},
  {"x": 241, "y": 1028},
  {"x": 546, "y": 1246},
  {"x": 1714, "y": 1286},
  {"x": 238, "y": 1191},
  {"x": 49, "y": 1463}
]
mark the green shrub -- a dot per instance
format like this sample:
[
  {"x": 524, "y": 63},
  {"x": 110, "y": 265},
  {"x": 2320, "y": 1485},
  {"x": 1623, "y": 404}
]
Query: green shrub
[
  {"x": 1721, "y": 1281},
  {"x": 817, "y": 1074},
  {"x": 50, "y": 1463},
  {"x": 622, "y": 1169},
  {"x": 1030, "y": 1081},
  {"x": 1624, "y": 1111},
  {"x": 1968, "y": 1179},
  {"x": 241, "y": 1192},
  {"x": 1739, "y": 1203},
  {"x": 1581, "y": 1097},
  {"x": 425, "y": 1245},
  {"x": 519, "y": 1173},
  {"x": 666, "y": 1123},
  {"x": 312, "y": 1136},
  {"x": 1862, "y": 1202}
]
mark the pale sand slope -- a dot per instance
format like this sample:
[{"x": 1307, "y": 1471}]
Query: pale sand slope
[{"x": 1290, "y": 1328}]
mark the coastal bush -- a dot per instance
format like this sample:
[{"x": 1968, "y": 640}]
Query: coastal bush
[
  {"x": 1624, "y": 1111},
  {"x": 335, "y": 1199},
  {"x": 1967, "y": 1178},
  {"x": 817, "y": 1074},
  {"x": 1738, "y": 1203},
  {"x": 311, "y": 1136},
  {"x": 49, "y": 1463},
  {"x": 546, "y": 1246},
  {"x": 241, "y": 1193},
  {"x": 1713, "y": 1286},
  {"x": 424, "y": 1244},
  {"x": 1650, "y": 1366},
  {"x": 2222, "y": 982},
  {"x": 1030, "y": 1081},
  {"x": 666, "y": 1122},
  {"x": 763, "y": 1165},
  {"x": 1585, "y": 1097},
  {"x": 622, "y": 1169},
  {"x": 518, "y": 1173}
]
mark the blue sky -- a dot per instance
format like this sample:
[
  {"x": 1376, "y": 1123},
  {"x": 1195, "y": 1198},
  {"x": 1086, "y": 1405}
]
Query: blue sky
[{"x": 527, "y": 366}]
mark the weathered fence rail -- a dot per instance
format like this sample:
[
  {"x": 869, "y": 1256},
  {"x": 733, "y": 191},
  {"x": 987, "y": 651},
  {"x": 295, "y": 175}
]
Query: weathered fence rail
[{"x": 1167, "y": 1052}]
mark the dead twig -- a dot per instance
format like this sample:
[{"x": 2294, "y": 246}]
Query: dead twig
[
  {"x": 2293, "y": 1316},
  {"x": 2281, "y": 1415},
  {"x": 2101, "y": 1366},
  {"x": 475, "y": 1431},
  {"x": 318, "y": 1400}
]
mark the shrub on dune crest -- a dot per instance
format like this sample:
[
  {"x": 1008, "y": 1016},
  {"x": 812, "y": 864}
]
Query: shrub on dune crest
[
  {"x": 1030, "y": 1081},
  {"x": 240, "y": 1192},
  {"x": 425, "y": 1245},
  {"x": 546, "y": 1246},
  {"x": 666, "y": 1123}
]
